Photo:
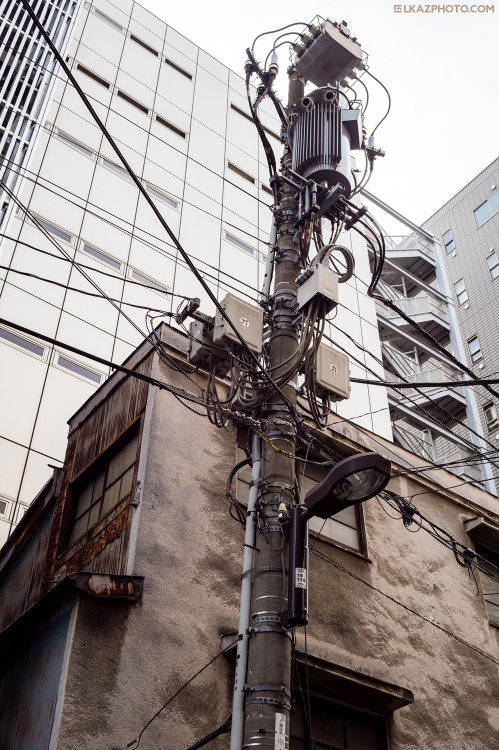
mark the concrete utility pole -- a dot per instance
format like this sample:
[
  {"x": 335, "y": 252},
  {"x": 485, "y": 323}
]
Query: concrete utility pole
[{"x": 268, "y": 680}]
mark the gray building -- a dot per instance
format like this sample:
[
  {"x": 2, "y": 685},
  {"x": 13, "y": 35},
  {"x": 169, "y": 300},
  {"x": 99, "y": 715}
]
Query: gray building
[
  {"x": 467, "y": 227},
  {"x": 112, "y": 599}
]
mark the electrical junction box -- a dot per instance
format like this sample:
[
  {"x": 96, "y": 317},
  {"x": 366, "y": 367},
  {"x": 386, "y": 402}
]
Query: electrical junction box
[
  {"x": 333, "y": 373},
  {"x": 202, "y": 351},
  {"x": 331, "y": 57},
  {"x": 323, "y": 283},
  {"x": 247, "y": 319}
]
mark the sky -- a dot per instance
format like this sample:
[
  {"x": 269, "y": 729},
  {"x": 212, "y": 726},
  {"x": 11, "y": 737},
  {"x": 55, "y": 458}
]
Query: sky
[{"x": 440, "y": 68}]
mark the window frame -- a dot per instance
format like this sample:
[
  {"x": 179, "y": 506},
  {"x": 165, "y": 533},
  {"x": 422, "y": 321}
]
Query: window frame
[
  {"x": 463, "y": 291},
  {"x": 479, "y": 351},
  {"x": 493, "y": 424},
  {"x": 450, "y": 242},
  {"x": 494, "y": 267},
  {"x": 92, "y": 472},
  {"x": 492, "y": 212}
]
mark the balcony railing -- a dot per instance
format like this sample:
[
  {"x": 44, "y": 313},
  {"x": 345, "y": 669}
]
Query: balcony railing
[
  {"x": 422, "y": 304},
  {"x": 434, "y": 375},
  {"x": 409, "y": 244}
]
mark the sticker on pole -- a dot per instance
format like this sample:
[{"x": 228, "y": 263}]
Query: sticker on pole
[
  {"x": 300, "y": 578},
  {"x": 280, "y": 732}
]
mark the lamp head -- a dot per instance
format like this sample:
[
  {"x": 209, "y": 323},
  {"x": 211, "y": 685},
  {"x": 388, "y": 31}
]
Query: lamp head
[{"x": 350, "y": 481}]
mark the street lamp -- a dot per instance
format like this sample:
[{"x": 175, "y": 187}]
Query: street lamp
[{"x": 350, "y": 482}]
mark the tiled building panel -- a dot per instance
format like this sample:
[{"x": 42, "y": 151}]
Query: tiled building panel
[{"x": 478, "y": 315}]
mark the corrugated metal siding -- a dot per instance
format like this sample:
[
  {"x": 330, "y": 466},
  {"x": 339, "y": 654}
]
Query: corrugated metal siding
[
  {"x": 20, "y": 588},
  {"x": 29, "y": 681},
  {"x": 111, "y": 419},
  {"x": 112, "y": 558}
]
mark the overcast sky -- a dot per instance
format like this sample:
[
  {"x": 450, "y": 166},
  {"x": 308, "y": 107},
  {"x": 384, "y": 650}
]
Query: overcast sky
[{"x": 440, "y": 68}]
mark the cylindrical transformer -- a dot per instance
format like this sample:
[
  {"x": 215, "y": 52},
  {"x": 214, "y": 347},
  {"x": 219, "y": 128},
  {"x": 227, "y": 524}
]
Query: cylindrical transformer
[{"x": 321, "y": 141}]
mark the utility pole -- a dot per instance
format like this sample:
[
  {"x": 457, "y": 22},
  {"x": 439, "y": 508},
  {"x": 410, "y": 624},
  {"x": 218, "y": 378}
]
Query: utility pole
[{"x": 268, "y": 679}]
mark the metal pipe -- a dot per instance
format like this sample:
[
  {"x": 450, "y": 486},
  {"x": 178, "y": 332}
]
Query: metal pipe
[{"x": 236, "y": 737}]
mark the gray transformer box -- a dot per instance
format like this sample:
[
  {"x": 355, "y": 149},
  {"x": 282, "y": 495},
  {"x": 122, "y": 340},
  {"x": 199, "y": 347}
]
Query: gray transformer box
[
  {"x": 333, "y": 373},
  {"x": 247, "y": 319},
  {"x": 330, "y": 57},
  {"x": 202, "y": 352},
  {"x": 324, "y": 283}
]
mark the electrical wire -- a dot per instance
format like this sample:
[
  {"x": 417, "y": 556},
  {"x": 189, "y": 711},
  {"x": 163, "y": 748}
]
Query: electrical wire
[
  {"x": 457, "y": 638},
  {"x": 136, "y": 742},
  {"x": 276, "y": 31},
  {"x": 389, "y": 100}
]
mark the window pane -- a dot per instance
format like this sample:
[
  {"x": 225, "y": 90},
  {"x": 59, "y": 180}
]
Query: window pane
[
  {"x": 94, "y": 514},
  {"x": 459, "y": 287},
  {"x": 122, "y": 461},
  {"x": 111, "y": 497},
  {"x": 80, "y": 527},
  {"x": 474, "y": 346},
  {"x": 494, "y": 202},
  {"x": 482, "y": 213},
  {"x": 447, "y": 237},
  {"x": 450, "y": 246},
  {"x": 85, "y": 499},
  {"x": 98, "y": 486},
  {"x": 20, "y": 341},
  {"x": 126, "y": 482}
]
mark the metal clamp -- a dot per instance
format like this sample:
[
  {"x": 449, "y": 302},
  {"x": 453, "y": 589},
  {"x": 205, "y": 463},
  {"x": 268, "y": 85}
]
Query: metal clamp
[
  {"x": 283, "y": 702},
  {"x": 263, "y": 569}
]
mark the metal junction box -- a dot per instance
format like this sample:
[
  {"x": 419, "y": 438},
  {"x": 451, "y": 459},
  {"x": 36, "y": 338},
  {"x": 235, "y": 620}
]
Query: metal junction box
[
  {"x": 323, "y": 282},
  {"x": 333, "y": 373},
  {"x": 247, "y": 319},
  {"x": 331, "y": 56},
  {"x": 202, "y": 352}
]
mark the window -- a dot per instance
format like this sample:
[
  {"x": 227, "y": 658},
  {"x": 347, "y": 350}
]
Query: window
[
  {"x": 474, "y": 347},
  {"x": 449, "y": 241},
  {"x": 23, "y": 343},
  {"x": 178, "y": 68},
  {"x": 108, "y": 20},
  {"x": 4, "y": 505},
  {"x": 486, "y": 210},
  {"x": 133, "y": 102},
  {"x": 334, "y": 727},
  {"x": 111, "y": 484},
  {"x": 100, "y": 256},
  {"x": 79, "y": 369},
  {"x": 239, "y": 244},
  {"x": 490, "y": 413},
  {"x": 157, "y": 193},
  {"x": 144, "y": 45},
  {"x": 490, "y": 587},
  {"x": 169, "y": 125},
  {"x": 115, "y": 168},
  {"x": 241, "y": 112},
  {"x": 493, "y": 264},
  {"x": 93, "y": 75},
  {"x": 241, "y": 172},
  {"x": 149, "y": 282},
  {"x": 54, "y": 230},
  {"x": 266, "y": 189},
  {"x": 76, "y": 144},
  {"x": 461, "y": 293}
]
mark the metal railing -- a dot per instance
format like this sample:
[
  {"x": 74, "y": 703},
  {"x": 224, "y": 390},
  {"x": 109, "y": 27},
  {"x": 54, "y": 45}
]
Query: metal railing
[
  {"x": 410, "y": 243},
  {"x": 421, "y": 304}
]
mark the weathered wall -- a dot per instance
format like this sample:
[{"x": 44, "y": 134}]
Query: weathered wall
[{"x": 128, "y": 659}]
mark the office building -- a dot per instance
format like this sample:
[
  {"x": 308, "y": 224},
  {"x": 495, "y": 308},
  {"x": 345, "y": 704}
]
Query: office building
[{"x": 181, "y": 120}]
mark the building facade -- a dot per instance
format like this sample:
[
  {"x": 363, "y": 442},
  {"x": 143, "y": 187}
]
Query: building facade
[
  {"x": 467, "y": 227},
  {"x": 76, "y": 218},
  {"x": 122, "y": 582}
]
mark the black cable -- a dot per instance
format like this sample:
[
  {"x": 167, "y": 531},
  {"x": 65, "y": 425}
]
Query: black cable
[
  {"x": 276, "y": 31},
  {"x": 444, "y": 384},
  {"x": 389, "y": 100},
  {"x": 212, "y": 735},
  {"x": 336, "y": 565},
  {"x": 157, "y": 213},
  {"x": 139, "y": 736},
  {"x": 359, "y": 80}
]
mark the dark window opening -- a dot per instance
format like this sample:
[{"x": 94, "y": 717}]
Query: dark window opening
[
  {"x": 169, "y": 125},
  {"x": 178, "y": 68},
  {"x": 144, "y": 45},
  {"x": 93, "y": 76},
  {"x": 133, "y": 102},
  {"x": 241, "y": 172}
]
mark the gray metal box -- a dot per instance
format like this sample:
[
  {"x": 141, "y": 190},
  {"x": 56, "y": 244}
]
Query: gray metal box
[
  {"x": 330, "y": 57},
  {"x": 323, "y": 282},
  {"x": 202, "y": 352},
  {"x": 333, "y": 372},
  {"x": 247, "y": 319}
]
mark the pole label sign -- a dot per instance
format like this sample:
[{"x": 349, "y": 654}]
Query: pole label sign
[
  {"x": 300, "y": 578},
  {"x": 280, "y": 732}
]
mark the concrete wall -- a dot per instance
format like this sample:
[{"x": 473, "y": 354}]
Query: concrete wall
[{"x": 128, "y": 659}]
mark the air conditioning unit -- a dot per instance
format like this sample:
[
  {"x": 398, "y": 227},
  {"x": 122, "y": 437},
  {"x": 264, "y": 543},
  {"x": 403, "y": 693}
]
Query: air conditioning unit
[{"x": 247, "y": 320}]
